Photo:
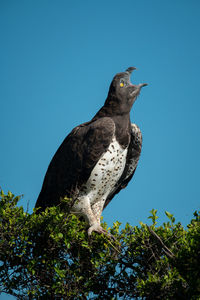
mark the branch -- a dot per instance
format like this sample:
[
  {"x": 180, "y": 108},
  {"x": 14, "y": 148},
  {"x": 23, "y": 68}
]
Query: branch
[{"x": 165, "y": 249}]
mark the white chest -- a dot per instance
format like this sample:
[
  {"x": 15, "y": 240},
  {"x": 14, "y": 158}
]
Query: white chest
[{"x": 106, "y": 173}]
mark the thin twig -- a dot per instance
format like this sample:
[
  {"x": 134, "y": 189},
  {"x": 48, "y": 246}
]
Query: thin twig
[{"x": 165, "y": 249}]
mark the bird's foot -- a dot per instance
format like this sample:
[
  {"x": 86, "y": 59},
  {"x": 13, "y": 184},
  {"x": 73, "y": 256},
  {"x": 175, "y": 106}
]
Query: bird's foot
[{"x": 96, "y": 227}]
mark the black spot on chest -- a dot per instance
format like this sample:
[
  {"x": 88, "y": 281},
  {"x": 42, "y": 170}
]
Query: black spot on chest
[{"x": 106, "y": 173}]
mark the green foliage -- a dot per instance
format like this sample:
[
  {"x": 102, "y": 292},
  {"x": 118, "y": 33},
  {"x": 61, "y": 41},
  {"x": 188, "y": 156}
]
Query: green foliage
[{"x": 49, "y": 255}]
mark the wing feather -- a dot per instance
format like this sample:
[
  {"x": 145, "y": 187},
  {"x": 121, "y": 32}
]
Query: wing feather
[
  {"x": 74, "y": 160},
  {"x": 133, "y": 155}
]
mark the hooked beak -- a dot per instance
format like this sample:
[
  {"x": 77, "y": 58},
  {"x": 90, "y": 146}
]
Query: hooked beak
[
  {"x": 130, "y": 70},
  {"x": 138, "y": 87},
  {"x": 142, "y": 84}
]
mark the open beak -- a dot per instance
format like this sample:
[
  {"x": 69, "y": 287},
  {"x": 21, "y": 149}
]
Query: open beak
[
  {"x": 130, "y": 70},
  {"x": 138, "y": 87},
  {"x": 142, "y": 84}
]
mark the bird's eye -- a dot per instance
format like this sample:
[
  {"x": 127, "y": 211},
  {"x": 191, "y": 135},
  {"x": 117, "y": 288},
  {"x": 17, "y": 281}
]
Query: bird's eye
[{"x": 121, "y": 84}]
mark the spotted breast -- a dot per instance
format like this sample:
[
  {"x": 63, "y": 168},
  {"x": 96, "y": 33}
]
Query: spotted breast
[{"x": 102, "y": 180}]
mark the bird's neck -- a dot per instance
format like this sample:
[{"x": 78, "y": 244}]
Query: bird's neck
[
  {"x": 122, "y": 129},
  {"x": 122, "y": 122},
  {"x": 113, "y": 107}
]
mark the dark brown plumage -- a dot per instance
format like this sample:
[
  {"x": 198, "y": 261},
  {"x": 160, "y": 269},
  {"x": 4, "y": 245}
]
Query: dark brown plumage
[{"x": 98, "y": 158}]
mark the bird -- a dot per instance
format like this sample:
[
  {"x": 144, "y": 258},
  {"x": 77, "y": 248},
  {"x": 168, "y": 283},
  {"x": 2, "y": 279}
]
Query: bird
[{"x": 98, "y": 158}]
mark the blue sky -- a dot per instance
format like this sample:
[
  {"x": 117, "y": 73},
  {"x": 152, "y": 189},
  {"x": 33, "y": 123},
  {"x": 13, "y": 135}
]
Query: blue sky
[{"x": 57, "y": 61}]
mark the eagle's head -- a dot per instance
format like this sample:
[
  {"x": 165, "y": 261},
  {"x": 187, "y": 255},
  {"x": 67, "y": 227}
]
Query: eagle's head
[{"x": 122, "y": 91}]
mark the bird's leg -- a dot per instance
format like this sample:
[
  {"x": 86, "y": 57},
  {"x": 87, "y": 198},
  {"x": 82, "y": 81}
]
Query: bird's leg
[
  {"x": 91, "y": 214},
  {"x": 82, "y": 206},
  {"x": 97, "y": 209},
  {"x": 94, "y": 220}
]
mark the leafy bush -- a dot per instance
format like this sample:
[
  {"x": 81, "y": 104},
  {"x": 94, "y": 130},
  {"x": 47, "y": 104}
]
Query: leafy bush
[{"x": 49, "y": 255}]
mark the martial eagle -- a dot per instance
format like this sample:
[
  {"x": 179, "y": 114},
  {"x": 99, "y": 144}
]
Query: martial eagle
[{"x": 98, "y": 158}]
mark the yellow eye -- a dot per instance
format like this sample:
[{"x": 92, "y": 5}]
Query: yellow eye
[{"x": 121, "y": 84}]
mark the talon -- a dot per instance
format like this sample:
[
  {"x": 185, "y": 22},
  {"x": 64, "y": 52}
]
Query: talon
[{"x": 99, "y": 229}]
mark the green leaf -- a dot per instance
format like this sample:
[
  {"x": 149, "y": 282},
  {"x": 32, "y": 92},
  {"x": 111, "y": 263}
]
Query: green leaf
[{"x": 60, "y": 235}]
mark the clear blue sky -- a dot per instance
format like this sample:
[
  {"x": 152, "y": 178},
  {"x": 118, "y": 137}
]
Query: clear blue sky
[{"x": 57, "y": 60}]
